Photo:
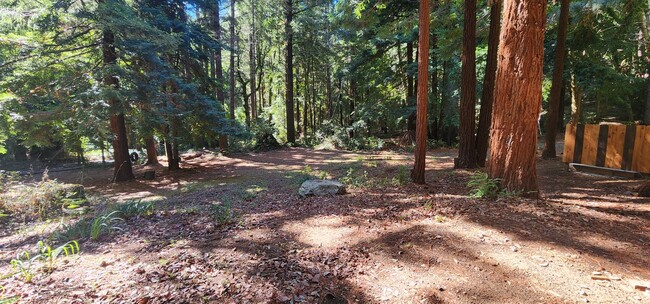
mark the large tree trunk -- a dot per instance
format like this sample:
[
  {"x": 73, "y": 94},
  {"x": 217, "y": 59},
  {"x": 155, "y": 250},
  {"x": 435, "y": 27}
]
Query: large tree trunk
[
  {"x": 232, "y": 62},
  {"x": 288, "y": 36},
  {"x": 556, "y": 87},
  {"x": 423, "y": 76},
  {"x": 122, "y": 170},
  {"x": 152, "y": 155},
  {"x": 466, "y": 147},
  {"x": 487, "y": 98},
  {"x": 518, "y": 94}
]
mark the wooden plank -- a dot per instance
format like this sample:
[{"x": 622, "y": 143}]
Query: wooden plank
[
  {"x": 604, "y": 171},
  {"x": 580, "y": 136},
  {"x": 602, "y": 145},
  {"x": 590, "y": 145},
  {"x": 569, "y": 143},
  {"x": 641, "y": 159},
  {"x": 628, "y": 147},
  {"x": 615, "y": 144}
]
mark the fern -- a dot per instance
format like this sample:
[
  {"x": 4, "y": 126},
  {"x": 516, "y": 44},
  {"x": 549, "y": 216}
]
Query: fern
[{"x": 482, "y": 186}]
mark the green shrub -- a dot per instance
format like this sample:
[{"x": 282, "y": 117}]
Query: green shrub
[
  {"x": 356, "y": 180},
  {"x": 402, "y": 177},
  {"x": 106, "y": 223},
  {"x": 92, "y": 228},
  {"x": 482, "y": 186},
  {"x": 223, "y": 213},
  {"x": 134, "y": 208}
]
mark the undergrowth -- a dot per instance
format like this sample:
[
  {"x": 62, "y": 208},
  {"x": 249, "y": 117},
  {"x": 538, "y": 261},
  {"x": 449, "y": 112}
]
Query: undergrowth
[{"x": 27, "y": 265}]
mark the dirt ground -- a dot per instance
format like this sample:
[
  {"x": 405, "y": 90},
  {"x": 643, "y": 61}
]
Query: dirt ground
[{"x": 383, "y": 243}]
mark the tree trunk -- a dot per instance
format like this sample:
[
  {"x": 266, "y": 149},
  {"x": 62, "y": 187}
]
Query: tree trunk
[
  {"x": 252, "y": 71},
  {"x": 410, "y": 90},
  {"x": 518, "y": 96},
  {"x": 423, "y": 69},
  {"x": 122, "y": 170},
  {"x": 152, "y": 155},
  {"x": 232, "y": 63},
  {"x": 556, "y": 87},
  {"x": 466, "y": 147},
  {"x": 218, "y": 69},
  {"x": 487, "y": 99},
  {"x": 288, "y": 36},
  {"x": 576, "y": 101}
]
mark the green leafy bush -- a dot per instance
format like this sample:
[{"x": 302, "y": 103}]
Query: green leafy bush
[
  {"x": 223, "y": 213},
  {"x": 134, "y": 208},
  {"x": 402, "y": 177}
]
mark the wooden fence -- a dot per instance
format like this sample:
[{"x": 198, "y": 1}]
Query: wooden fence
[{"x": 615, "y": 146}]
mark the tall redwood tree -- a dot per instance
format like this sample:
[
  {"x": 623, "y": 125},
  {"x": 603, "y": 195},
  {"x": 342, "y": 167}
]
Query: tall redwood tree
[
  {"x": 518, "y": 93},
  {"x": 556, "y": 87},
  {"x": 422, "y": 96},
  {"x": 487, "y": 98},
  {"x": 467, "y": 144}
]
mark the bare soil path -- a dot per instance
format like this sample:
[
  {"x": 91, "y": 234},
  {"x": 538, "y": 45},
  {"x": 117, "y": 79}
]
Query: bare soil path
[{"x": 381, "y": 243}]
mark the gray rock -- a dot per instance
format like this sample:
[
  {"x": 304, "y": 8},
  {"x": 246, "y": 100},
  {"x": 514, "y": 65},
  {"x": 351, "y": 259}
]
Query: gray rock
[{"x": 319, "y": 187}]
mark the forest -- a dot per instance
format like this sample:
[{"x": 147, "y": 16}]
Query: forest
[{"x": 324, "y": 151}]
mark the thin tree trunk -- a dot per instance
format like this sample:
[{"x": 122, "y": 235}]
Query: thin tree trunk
[
  {"x": 518, "y": 96},
  {"x": 410, "y": 91},
  {"x": 122, "y": 170},
  {"x": 467, "y": 145},
  {"x": 288, "y": 32},
  {"x": 576, "y": 101},
  {"x": 556, "y": 87},
  {"x": 423, "y": 63},
  {"x": 218, "y": 71},
  {"x": 253, "y": 73},
  {"x": 232, "y": 83},
  {"x": 487, "y": 99}
]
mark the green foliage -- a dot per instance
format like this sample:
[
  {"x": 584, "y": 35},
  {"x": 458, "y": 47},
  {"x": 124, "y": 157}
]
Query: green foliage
[
  {"x": 356, "y": 179},
  {"x": 90, "y": 228},
  {"x": 40, "y": 200},
  {"x": 105, "y": 223},
  {"x": 134, "y": 208},
  {"x": 482, "y": 186},
  {"x": 402, "y": 177},
  {"x": 223, "y": 213},
  {"x": 27, "y": 265}
]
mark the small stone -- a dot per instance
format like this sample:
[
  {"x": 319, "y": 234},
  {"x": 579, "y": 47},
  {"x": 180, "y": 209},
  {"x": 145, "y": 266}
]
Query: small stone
[
  {"x": 317, "y": 187},
  {"x": 545, "y": 264},
  {"x": 514, "y": 248}
]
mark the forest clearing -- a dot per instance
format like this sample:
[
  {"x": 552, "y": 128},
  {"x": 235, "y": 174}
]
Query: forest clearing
[
  {"x": 381, "y": 242},
  {"x": 324, "y": 151}
]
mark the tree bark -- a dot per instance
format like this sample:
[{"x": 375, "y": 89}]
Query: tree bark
[
  {"x": 556, "y": 86},
  {"x": 576, "y": 101},
  {"x": 410, "y": 90},
  {"x": 466, "y": 147},
  {"x": 518, "y": 93},
  {"x": 423, "y": 76},
  {"x": 218, "y": 68},
  {"x": 232, "y": 83},
  {"x": 122, "y": 169},
  {"x": 152, "y": 155},
  {"x": 288, "y": 36},
  {"x": 487, "y": 98},
  {"x": 253, "y": 102}
]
